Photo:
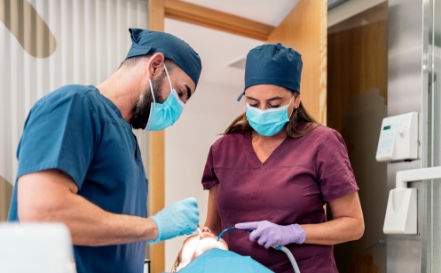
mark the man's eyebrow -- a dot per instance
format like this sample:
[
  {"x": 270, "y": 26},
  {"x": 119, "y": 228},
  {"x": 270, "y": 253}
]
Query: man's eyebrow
[{"x": 188, "y": 91}]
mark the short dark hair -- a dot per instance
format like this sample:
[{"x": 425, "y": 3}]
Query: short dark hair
[{"x": 133, "y": 61}]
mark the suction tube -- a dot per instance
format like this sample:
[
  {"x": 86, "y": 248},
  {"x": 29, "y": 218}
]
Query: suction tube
[
  {"x": 282, "y": 248},
  {"x": 228, "y": 229},
  {"x": 291, "y": 259}
]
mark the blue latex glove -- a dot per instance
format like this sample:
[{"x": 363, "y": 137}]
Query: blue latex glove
[
  {"x": 178, "y": 219},
  {"x": 269, "y": 234}
]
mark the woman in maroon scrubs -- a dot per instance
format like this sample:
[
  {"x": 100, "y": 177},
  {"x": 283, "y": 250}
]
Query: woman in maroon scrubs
[{"x": 274, "y": 170}]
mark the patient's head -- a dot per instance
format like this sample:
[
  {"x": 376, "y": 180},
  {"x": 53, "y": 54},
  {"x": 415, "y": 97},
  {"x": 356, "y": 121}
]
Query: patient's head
[{"x": 194, "y": 246}]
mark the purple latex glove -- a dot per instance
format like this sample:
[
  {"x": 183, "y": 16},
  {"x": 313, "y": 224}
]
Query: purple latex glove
[{"x": 269, "y": 234}]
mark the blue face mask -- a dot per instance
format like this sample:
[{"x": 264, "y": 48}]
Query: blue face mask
[
  {"x": 270, "y": 121},
  {"x": 163, "y": 115}
]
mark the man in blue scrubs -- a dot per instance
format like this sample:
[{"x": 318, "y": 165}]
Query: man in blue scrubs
[{"x": 80, "y": 164}]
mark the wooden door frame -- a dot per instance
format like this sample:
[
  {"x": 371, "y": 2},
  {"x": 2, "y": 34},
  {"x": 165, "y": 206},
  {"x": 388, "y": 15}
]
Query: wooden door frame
[{"x": 201, "y": 16}]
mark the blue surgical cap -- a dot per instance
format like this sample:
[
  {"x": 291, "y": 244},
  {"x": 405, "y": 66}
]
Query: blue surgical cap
[
  {"x": 273, "y": 64},
  {"x": 150, "y": 42}
]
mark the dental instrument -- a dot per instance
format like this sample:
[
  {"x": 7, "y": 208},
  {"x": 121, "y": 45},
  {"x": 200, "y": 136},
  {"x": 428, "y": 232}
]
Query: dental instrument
[{"x": 200, "y": 231}]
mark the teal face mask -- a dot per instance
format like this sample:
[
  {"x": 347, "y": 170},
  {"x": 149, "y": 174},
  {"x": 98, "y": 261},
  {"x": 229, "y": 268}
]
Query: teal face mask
[
  {"x": 270, "y": 121},
  {"x": 163, "y": 115}
]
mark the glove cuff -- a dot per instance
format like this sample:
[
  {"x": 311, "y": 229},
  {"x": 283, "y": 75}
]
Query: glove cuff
[
  {"x": 299, "y": 234},
  {"x": 152, "y": 242}
]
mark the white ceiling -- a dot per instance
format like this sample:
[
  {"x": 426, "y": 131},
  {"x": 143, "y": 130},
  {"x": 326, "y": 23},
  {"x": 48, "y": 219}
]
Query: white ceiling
[{"x": 216, "y": 48}]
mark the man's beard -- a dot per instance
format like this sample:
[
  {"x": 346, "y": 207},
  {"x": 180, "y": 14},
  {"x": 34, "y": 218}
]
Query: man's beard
[{"x": 141, "y": 111}]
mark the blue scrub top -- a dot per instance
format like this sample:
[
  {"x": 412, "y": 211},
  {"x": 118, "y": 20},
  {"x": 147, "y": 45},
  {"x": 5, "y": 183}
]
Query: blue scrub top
[{"x": 79, "y": 131}]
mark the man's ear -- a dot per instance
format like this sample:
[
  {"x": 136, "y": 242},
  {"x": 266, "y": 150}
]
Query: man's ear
[{"x": 156, "y": 64}]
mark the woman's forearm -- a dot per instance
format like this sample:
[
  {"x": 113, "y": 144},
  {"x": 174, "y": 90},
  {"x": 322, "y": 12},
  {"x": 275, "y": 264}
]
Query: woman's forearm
[
  {"x": 347, "y": 225},
  {"x": 333, "y": 232}
]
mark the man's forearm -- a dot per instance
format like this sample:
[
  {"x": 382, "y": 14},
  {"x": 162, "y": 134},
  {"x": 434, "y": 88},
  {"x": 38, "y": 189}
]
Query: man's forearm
[
  {"x": 92, "y": 226},
  {"x": 50, "y": 196}
]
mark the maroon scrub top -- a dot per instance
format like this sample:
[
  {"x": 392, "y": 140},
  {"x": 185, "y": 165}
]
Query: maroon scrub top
[{"x": 291, "y": 186}]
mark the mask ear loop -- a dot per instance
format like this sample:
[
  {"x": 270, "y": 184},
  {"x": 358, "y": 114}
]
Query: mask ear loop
[
  {"x": 168, "y": 76},
  {"x": 151, "y": 85},
  {"x": 289, "y": 104},
  {"x": 172, "y": 89},
  {"x": 151, "y": 90}
]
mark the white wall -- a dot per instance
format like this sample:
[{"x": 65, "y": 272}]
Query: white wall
[{"x": 205, "y": 116}]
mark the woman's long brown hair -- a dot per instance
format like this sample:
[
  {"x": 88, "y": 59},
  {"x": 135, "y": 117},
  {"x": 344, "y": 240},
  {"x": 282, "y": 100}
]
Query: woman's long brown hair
[{"x": 300, "y": 115}]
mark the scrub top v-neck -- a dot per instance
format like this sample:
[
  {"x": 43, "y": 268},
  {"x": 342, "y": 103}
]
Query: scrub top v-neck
[
  {"x": 253, "y": 155},
  {"x": 291, "y": 186}
]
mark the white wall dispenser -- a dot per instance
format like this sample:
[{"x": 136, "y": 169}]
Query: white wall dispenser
[{"x": 401, "y": 211}]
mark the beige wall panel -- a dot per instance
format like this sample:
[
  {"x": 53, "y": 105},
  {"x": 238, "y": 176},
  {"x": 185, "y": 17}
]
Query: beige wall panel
[
  {"x": 305, "y": 30},
  {"x": 5, "y": 198}
]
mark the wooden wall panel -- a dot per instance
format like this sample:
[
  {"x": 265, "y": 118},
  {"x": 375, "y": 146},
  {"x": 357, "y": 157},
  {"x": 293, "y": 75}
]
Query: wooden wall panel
[
  {"x": 305, "y": 30},
  {"x": 156, "y": 157},
  {"x": 358, "y": 50},
  {"x": 357, "y": 101}
]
